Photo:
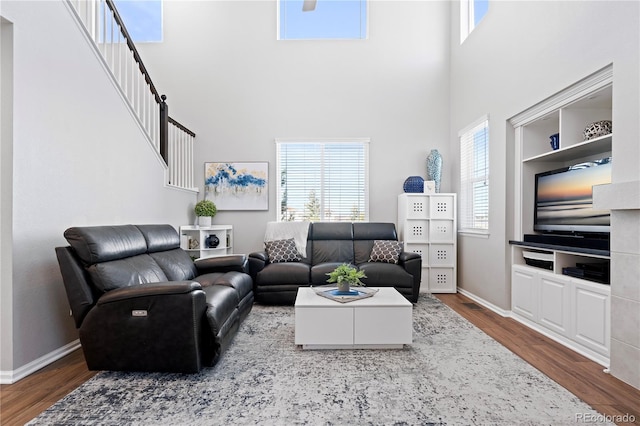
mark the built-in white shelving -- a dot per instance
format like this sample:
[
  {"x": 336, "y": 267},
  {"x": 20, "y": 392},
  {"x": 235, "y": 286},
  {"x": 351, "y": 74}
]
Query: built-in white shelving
[{"x": 573, "y": 311}]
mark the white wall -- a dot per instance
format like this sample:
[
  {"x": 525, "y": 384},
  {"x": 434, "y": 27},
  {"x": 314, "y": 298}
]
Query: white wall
[
  {"x": 521, "y": 53},
  {"x": 78, "y": 159},
  {"x": 239, "y": 88}
]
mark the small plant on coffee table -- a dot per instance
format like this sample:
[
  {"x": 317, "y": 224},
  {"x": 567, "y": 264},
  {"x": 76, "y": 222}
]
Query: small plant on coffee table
[{"x": 345, "y": 276}]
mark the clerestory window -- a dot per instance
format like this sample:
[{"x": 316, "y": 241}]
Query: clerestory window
[
  {"x": 322, "y": 19},
  {"x": 471, "y": 13}
]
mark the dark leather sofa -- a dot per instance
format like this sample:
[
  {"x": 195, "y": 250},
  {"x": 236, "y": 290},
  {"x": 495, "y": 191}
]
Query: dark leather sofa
[
  {"x": 330, "y": 244},
  {"x": 142, "y": 304}
]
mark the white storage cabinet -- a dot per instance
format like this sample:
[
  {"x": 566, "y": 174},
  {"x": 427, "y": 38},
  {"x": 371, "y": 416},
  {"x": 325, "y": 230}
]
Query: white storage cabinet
[{"x": 427, "y": 226}]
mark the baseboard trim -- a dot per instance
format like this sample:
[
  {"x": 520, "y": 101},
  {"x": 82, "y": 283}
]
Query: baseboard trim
[
  {"x": 488, "y": 305},
  {"x": 12, "y": 376}
]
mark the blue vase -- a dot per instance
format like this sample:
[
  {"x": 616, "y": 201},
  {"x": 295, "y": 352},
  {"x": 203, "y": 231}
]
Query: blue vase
[
  {"x": 212, "y": 241},
  {"x": 434, "y": 167}
]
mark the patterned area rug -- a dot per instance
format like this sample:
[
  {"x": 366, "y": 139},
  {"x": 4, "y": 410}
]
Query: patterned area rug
[{"x": 453, "y": 374}]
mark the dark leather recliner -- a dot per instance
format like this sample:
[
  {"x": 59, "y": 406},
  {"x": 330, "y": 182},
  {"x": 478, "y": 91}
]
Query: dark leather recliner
[
  {"x": 330, "y": 244},
  {"x": 142, "y": 304}
]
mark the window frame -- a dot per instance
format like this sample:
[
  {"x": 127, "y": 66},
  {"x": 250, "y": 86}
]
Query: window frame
[
  {"x": 130, "y": 12},
  {"x": 471, "y": 175},
  {"x": 467, "y": 18},
  {"x": 324, "y": 141},
  {"x": 280, "y": 31}
]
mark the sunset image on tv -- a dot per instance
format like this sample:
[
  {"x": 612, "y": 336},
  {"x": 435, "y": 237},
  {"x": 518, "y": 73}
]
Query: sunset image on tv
[{"x": 564, "y": 197}]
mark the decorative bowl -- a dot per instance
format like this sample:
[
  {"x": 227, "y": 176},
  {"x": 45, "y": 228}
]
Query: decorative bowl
[{"x": 597, "y": 129}]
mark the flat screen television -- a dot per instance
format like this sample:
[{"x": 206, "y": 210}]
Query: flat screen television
[{"x": 563, "y": 199}]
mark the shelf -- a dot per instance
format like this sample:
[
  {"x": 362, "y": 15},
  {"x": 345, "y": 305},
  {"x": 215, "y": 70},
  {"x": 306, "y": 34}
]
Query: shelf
[
  {"x": 583, "y": 149},
  {"x": 200, "y": 234},
  {"x": 604, "y": 254}
]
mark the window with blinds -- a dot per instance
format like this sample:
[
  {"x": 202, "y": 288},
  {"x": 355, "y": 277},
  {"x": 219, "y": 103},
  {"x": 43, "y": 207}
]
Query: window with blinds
[
  {"x": 474, "y": 177},
  {"x": 324, "y": 181}
]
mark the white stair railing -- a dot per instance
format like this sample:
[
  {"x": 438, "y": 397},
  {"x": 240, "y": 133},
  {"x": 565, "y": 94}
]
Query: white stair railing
[
  {"x": 180, "y": 155},
  {"x": 171, "y": 141}
]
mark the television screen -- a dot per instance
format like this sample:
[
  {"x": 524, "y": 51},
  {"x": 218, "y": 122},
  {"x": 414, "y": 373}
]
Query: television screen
[{"x": 563, "y": 198}]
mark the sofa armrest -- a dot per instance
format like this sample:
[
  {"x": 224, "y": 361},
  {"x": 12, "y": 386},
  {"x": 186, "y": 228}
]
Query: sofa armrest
[
  {"x": 149, "y": 289},
  {"x": 405, "y": 256},
  {"x": 257, "y": 261},
  {"x": 148, "y": 327},
  {"x": 412, "y": 263},
  {"x": 227, "y": 263}
]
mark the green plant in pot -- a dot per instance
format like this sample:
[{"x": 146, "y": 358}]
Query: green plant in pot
[
  {"x": 345, "y": 276},
  {"x": 205, "y": 210}
]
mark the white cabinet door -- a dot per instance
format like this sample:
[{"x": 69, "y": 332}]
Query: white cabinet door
[
  {"x": 591, "y": 307},
  {"x": 383, "y": 326},
  {"x": 524, "y": 292},
  {"x": 314, "y": 326},
  {"x": 554, "y": 303}
]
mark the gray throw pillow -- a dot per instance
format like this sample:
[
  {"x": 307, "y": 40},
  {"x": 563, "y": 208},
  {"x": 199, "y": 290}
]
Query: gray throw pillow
[
  {"x": 386, "y": 251},
  {"x": 282, "y": 251}
]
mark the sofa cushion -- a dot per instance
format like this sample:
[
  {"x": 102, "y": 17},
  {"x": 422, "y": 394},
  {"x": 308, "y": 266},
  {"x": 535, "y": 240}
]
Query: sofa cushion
[
  {"x": 282, "y": 251},
  {"x": 160, "y": 237},
  {"x": 325, "y": 251},
  {"x": 94, "y": 244},
  {"x": 120, "y": 273},
  {"x": 385, "y": 275},
  {"x": 319, "y": 272},
  {"x": 284, "y": 273},
  {"x": 385, "y": 251},
  {"x": 240, "y": 282},
  {"x": 176, "y": 264}
]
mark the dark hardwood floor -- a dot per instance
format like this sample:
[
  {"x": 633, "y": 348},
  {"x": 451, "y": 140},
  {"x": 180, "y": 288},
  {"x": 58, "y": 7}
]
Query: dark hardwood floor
[
  {"x": 579, "y": 375},
  {"x": 24, "y": 400}
]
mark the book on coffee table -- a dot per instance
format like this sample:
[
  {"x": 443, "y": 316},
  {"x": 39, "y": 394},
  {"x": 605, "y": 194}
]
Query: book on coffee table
[{"x": 354, "y": 293}]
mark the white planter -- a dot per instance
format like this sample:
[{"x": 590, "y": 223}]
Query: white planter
[{"x": 204, "y": 220}]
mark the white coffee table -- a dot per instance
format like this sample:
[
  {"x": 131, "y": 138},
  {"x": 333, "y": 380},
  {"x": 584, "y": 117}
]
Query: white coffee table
[{"x": 383, "y": 321}]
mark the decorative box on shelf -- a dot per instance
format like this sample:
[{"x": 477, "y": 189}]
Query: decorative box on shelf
[{"x": 206, "y": 241}]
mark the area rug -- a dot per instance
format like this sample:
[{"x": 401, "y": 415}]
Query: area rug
[{"x": 452, "y": 374}]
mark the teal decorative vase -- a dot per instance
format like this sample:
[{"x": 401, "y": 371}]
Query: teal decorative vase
[{"x": 434, "y": 167}]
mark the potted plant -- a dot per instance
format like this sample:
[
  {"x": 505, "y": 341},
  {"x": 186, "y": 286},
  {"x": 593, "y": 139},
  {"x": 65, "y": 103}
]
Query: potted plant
[
  {"x": 205, "y": 210},
  {"x": 345, "y": 276}
]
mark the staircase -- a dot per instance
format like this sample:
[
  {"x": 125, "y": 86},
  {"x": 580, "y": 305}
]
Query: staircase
[{"x": 173, "y": 142}]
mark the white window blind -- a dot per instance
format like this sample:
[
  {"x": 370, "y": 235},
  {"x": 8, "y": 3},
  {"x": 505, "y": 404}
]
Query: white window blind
[
  {"x": 323, "y": 180},
  {"x": 474, "y": 177}
]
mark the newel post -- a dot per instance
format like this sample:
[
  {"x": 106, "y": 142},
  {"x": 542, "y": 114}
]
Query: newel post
[{"x": 164, "y": 129}]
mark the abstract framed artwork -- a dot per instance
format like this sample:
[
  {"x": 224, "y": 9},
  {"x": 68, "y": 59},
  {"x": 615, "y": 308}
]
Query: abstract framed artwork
[{"x": 237, "y": 185}]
